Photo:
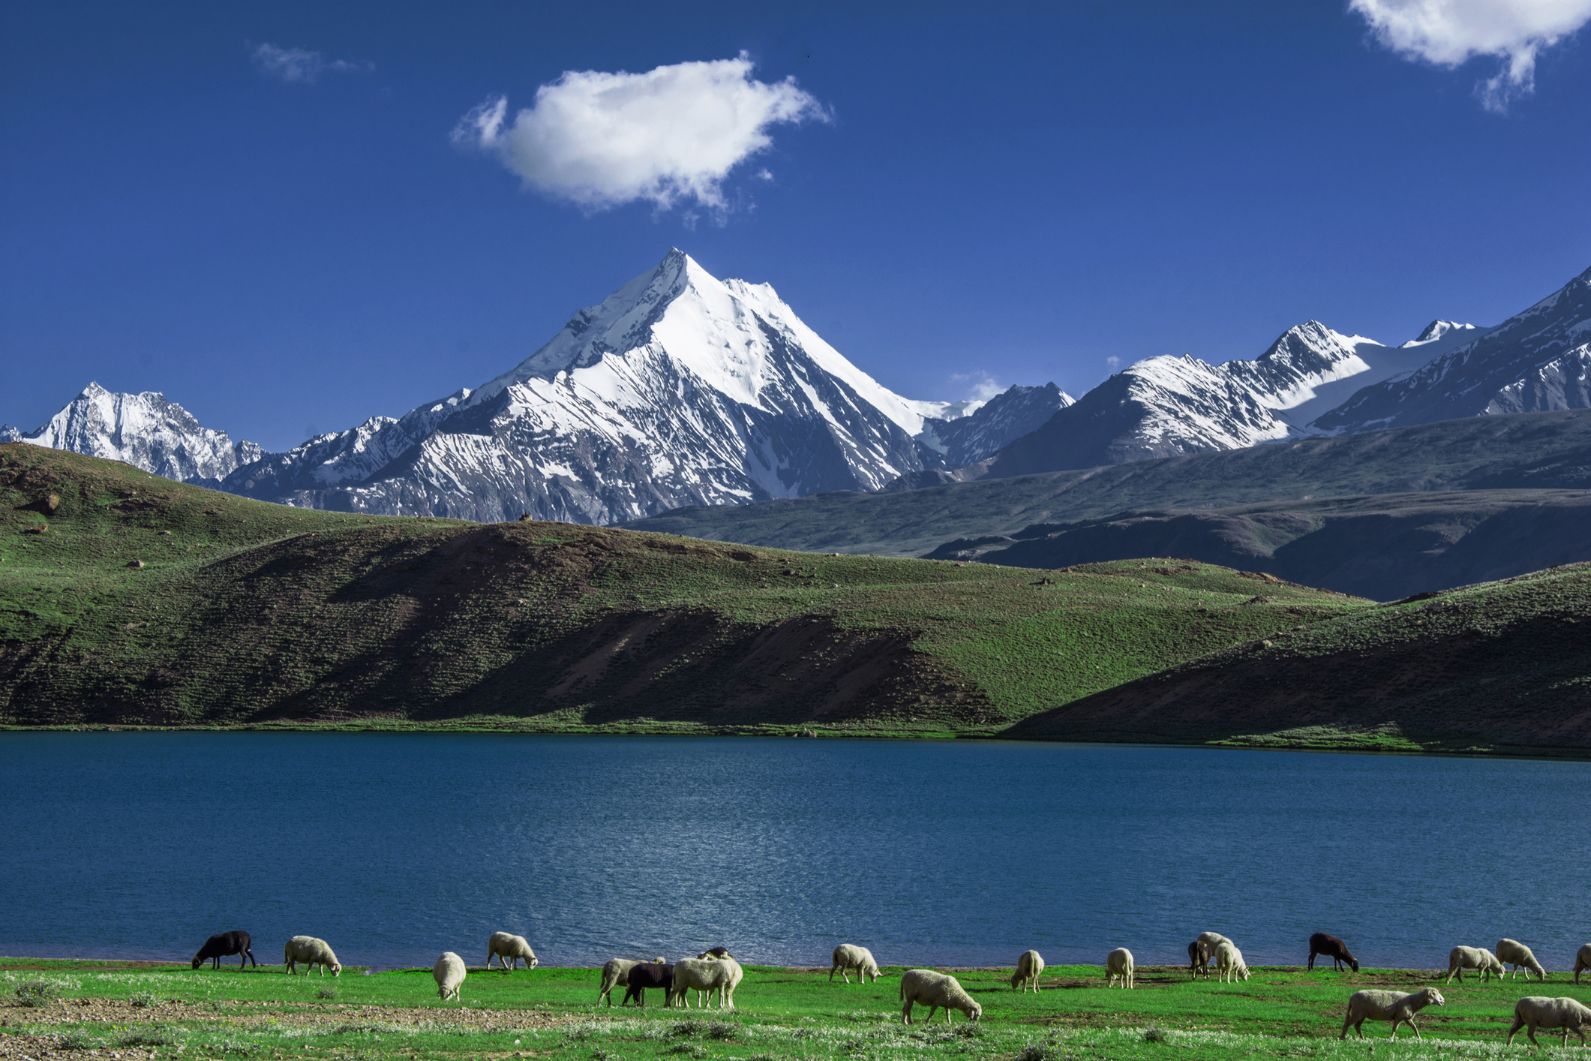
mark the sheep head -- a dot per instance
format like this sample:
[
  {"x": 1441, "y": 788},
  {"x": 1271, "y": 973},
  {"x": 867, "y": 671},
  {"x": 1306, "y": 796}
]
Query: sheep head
[
  {"x": 974, "y": 1012},
  {"x": 1433, "y": 997},
  {"x": 197, "y": 961},
  {"x": 336, "y": 969},
  {"x": 1353, "y": 963}
]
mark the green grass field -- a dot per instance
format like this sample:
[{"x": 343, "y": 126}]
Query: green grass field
[{"x": 780, "y": 1013}]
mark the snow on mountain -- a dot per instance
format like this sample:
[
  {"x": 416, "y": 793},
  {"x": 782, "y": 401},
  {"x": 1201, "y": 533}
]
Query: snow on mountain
[
  {"x": 1167, "y": 405},
  {"x": 146, "y": 430},
  {"x": 1535, "y": 361},
  {"x": 983, "y": 428},
  {"x": 678, "y": 389}
]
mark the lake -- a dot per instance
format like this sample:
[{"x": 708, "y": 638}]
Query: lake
[{"x": 396, "y": 847}]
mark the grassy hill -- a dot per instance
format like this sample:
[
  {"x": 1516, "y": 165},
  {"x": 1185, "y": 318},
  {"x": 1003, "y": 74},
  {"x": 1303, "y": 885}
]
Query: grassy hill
[
  {"x": 1384, "y": 546},
  {"x": 1504, "y": 666},
  {"x": 1545, "y": 451},
  {"x": 128, "y": 599}
]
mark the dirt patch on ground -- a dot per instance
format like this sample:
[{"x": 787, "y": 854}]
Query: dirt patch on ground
[{"x": 122, "y": 1013}]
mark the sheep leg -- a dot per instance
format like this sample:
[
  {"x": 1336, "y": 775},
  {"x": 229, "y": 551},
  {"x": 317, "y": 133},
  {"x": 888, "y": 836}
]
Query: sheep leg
[
  {"x": 1530, "y": 1033},
  {"x": 1518, "y": 1023},
  {"x": 1311, "y": 966}
]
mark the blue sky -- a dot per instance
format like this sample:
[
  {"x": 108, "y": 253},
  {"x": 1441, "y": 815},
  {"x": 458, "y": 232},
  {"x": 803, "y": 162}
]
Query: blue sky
[{"x": 287, "y": 242}]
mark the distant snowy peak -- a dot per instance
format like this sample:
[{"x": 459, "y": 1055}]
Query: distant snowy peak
[
  {"x": 1535, "y": 361},
  {"x": 1174, "y": 404},
  {"x": 1442, "y": 330},
  {"x": 719, "y": 331},
  {"x": 678, "y": 389},
  {"x": 146, "y": 430},
  {"x": 980, "y": 429}
]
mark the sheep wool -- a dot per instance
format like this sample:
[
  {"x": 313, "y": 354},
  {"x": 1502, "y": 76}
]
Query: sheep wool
[
  {"x": 312, "y": 952},
  {"x": 1536, "y": 1011},
  {"x": 1029, "y": 967},
  {"x": 937, "y": 991},
  {"x": 1388, "y": 1005},
  {"x": 1119, "y": 966},
  {"x": 848, "y": 956},
  {"x": 449, "y": 975},
  {"x": 1512, "y": 952}
]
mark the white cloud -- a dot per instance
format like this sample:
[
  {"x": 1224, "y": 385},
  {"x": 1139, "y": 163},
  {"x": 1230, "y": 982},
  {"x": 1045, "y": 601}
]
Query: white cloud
[
  {"x": 980, "y": 385},
  {"x": 1451, "y": 32},
  {"x": 670, "y": 135},
  {"x": 299, "y": 66},
  {"x": 1113, "y": 363}
]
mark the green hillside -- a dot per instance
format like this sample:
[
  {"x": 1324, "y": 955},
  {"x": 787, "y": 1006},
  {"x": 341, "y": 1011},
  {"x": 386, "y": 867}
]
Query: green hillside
[
  {"x": 1504, "y": 666},
  {"x": 128, "y": 599},
  {"x": 1383, "y": 546}
]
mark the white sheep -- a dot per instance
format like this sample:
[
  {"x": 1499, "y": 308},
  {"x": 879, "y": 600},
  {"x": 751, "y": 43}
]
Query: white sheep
[
  {"x": 1229, "y": 964},
  {"x": 1388, "y": 1005},
  {"x": 312, "y": 952},
  {"x": 1461, "y": 958},
  {"x": 1582, "y": 960},
  {"x": 1537, "y": 1011},
  {"x": 1202, "y": 951},
  {"x": 936, "y": 991},
  {"x": 1512, "y": 952},
  {"x": 510, "y": 949},
  {"x": 705, "y": 974},
  {"x": 448, "y": 972},
  {"x": 616, "y": 973},
  {"x": 848, "y": 956},
  {"x": 1119, "y": 966},
  {"x": 1029, "y": 967},
  {"x": 721, "y": 954}
]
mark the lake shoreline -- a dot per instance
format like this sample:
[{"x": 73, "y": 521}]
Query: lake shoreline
[{"x": 1345, "y": 744}]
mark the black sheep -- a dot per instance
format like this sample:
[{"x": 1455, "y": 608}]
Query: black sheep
[
  {"x": 645, "y": 975},
  {"x": 225, "y": 943},
  {"x": 1333, "y": 948},
  {"x": 1199, "y": 959},
  {"x": 716, "y": 952}
]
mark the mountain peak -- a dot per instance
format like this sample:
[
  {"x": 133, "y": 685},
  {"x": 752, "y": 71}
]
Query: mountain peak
[{"x": 1438, "y": 328}]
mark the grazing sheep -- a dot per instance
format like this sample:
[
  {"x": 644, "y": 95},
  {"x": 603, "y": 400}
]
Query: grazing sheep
[
  {"x": 704, "y": 974},
  {"x": 649, "y": 974},
  {"x": 1119, "y": 966},
  {"x": 1512, "y": 952},
  {"x": 1537, "y": 1011},
  {"x": 312, "y": 952},
  {"x": 616, "y": 973},
  {"x": 1582, "y": 960},
  {"x": 1461, "y": 958},
  {"x": 848, "y": 956},
  {"x": 510, "y": 950},
  {"x": 1333, "y": 948},
  {"x": 225, "y": 944},
  {"x": 1029, "y": 967},
  {"x": 936, "y": 991},
  {"x": 449, "y": 975},
  {"x": 1202, "y": 951},
  {"x": 1388, "y": 1005},
  {"x": 1229, "y": 964}
]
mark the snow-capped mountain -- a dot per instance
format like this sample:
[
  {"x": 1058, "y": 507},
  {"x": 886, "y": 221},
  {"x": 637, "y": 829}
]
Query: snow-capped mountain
[
  {"x": 146, "y": 430},
  {"x": 988, "y": 427},
  {"x": 678, "y": 389},
  {"x": 1169, "y": 405},
  {"x": 1535, "y": 361}
]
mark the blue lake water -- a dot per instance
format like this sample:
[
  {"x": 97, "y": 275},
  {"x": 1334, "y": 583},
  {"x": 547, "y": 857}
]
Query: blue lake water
[{"x": 394, "y": 847}]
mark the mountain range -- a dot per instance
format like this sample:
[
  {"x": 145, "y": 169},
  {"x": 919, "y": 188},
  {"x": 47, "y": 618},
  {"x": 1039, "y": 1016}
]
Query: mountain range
[{"x": 682, "y": 390}]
